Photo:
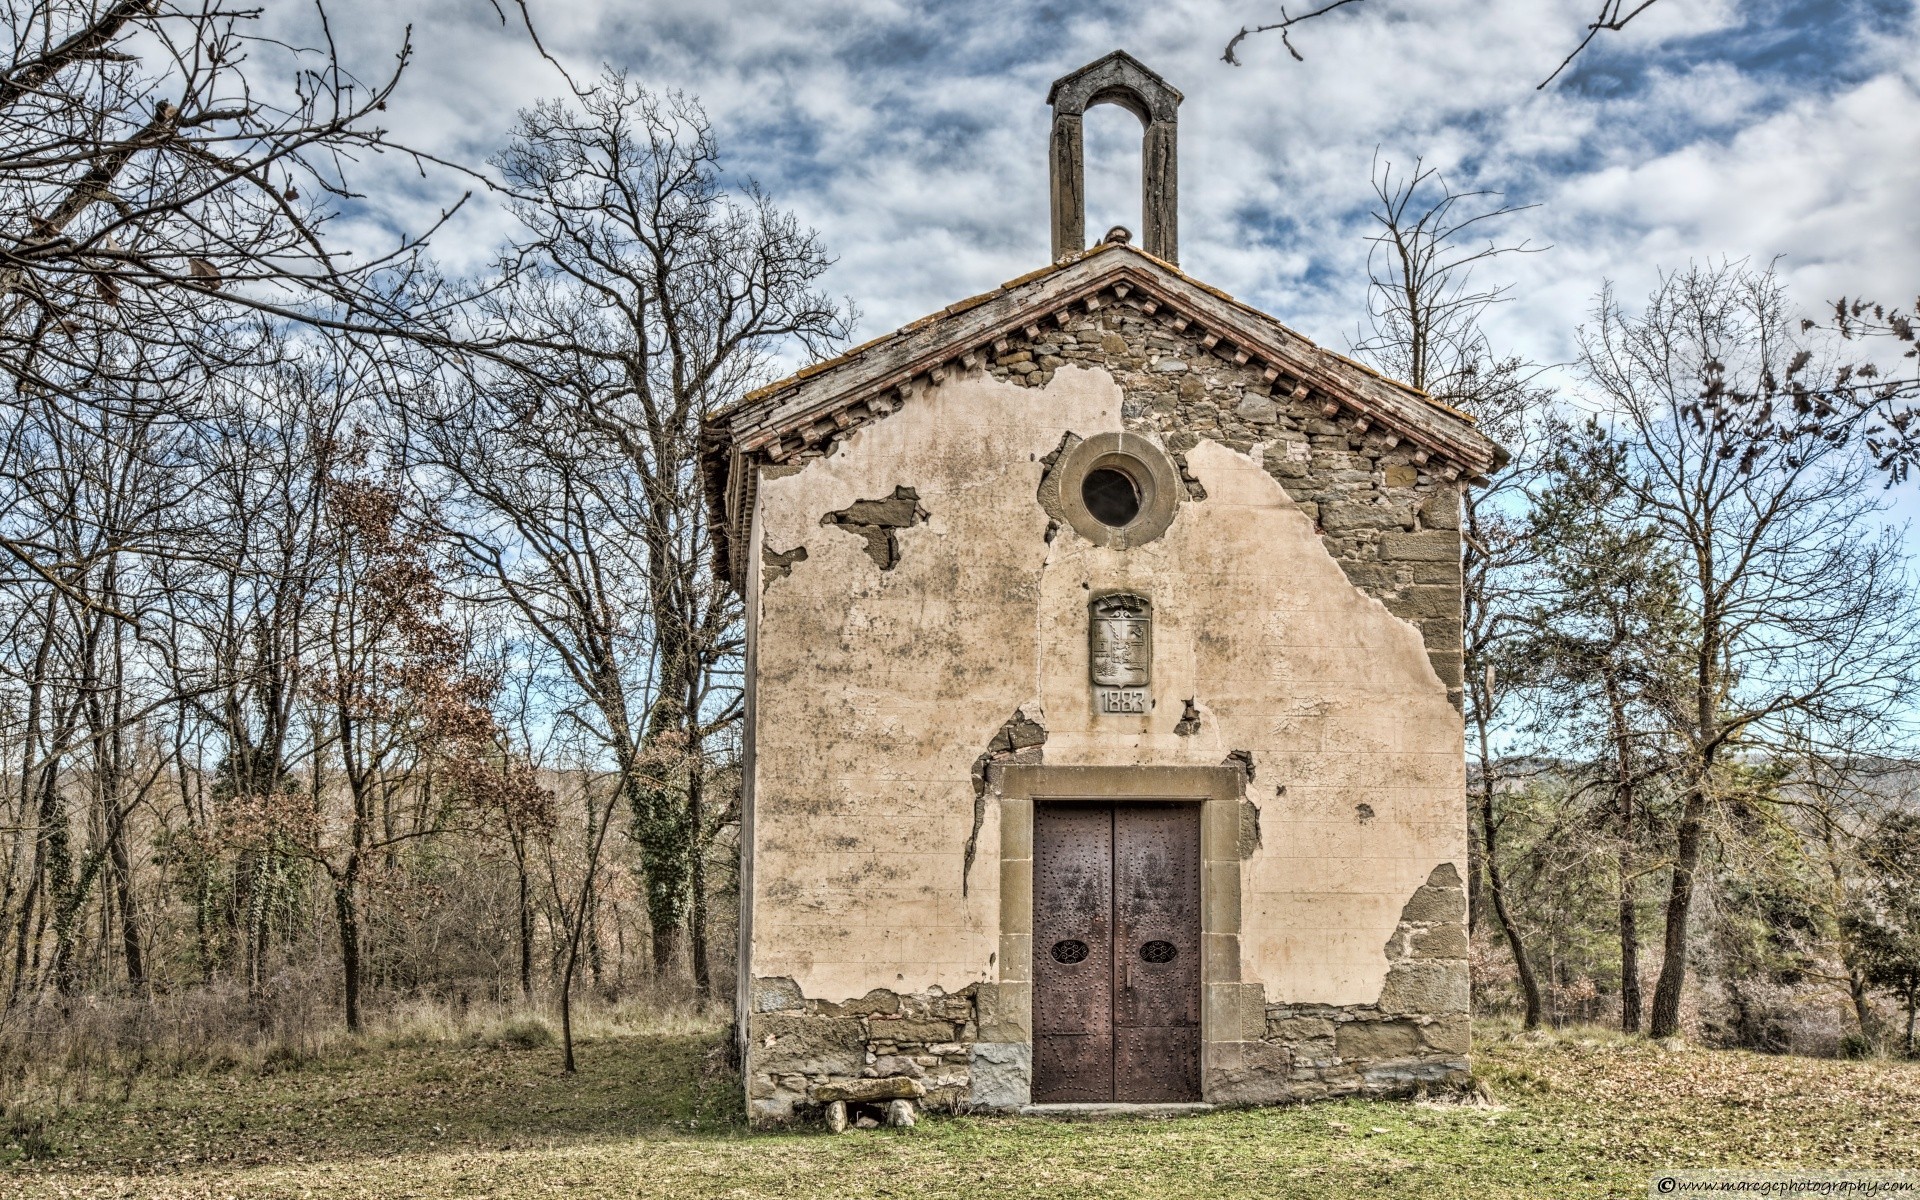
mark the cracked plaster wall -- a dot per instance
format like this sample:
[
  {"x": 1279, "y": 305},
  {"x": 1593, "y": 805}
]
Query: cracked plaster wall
[{"x": 876, "y": 691}]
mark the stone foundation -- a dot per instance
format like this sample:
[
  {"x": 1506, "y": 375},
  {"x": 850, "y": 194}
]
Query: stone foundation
[{"x": 805, "y": 1054}]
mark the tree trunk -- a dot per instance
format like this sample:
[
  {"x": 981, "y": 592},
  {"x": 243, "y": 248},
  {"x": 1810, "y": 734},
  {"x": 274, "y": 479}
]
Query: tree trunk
[
  {"x": 1862, "y": 1004},
  {"x": 1673, "y": 967},
  {"x": 349, "y": 919},
  {"x": 130, "y": 942},
  {"x": 697, "y": 919},
  {"x": 1629, "y": 921},
  {"x": 1476, "y": 887},
  {"x": 1497, "y": 892},
  {"x": 1629, "y": 950},
  {"x": 526, "y": 923}
]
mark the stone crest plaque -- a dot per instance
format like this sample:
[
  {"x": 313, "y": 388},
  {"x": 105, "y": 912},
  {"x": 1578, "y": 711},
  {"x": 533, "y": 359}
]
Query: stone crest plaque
[{"x": 1120, "y": 652}]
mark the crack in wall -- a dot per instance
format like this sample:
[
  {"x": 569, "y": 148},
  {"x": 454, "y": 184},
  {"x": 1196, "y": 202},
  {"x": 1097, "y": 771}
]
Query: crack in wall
[{"x": 1018, "y": 741}]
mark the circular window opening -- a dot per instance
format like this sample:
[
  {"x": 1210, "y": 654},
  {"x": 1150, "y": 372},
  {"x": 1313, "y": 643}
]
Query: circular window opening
[
  {"x": 1070, "y": 951},
  {"x": 1111, "y": 496}
]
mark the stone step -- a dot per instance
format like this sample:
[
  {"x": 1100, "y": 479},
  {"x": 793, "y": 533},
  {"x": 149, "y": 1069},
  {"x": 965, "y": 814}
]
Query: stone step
[{"x": 1101, "y": 1112}]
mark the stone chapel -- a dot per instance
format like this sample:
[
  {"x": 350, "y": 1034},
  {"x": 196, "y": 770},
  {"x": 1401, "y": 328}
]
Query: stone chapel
[{"x": 1103, "y": 733}]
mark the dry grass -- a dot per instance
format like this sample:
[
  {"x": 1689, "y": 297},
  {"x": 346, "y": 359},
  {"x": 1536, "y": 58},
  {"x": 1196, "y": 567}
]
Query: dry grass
[
  {"x": 653, "y": 1113},
  {"x": 54, "y": 1053}
]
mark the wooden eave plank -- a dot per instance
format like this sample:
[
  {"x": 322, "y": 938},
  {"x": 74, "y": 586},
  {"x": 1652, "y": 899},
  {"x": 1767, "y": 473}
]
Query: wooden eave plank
[{"x": 929, "y": 342}]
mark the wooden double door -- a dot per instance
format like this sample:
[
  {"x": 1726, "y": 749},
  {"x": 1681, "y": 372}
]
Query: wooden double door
[{"x": 1116, "y": 952}]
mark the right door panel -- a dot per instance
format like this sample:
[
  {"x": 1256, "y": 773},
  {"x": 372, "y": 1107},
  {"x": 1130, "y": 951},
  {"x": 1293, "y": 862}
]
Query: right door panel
[{"x": 1156, "y": 952}]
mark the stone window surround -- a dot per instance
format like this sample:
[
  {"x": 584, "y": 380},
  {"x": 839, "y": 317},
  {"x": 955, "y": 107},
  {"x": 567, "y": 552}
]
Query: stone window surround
[
  {"x": 1231, "y": 1013},
  {"x": 1153, "y": 474}
]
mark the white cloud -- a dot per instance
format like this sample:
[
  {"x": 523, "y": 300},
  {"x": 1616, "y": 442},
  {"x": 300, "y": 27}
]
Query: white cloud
[{"x": 913, "y": 136}]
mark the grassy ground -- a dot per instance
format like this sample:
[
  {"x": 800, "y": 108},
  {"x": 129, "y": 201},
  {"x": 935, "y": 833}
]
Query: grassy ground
[{"x": 654, "y": 1115}]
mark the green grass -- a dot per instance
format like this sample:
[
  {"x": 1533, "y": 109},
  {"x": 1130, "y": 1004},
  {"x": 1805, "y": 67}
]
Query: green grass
[{"x": 655, "y": 1115}]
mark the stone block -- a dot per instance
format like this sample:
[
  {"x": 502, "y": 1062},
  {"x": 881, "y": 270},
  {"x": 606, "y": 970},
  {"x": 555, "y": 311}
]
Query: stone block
[
  {"x": 1397, "y": 1079},
  {"x": 1441, "y": 633},
  {"x": 1343, "y": 518},
  {"x": 1228, "y": 1010},
  {"x": 1365, "y": 1041},
  {"x": 1257, "y": 410},
  {"x": 895, "y": 1064},
  {"x": 1441, "y": 941},
  {"x": 1446, "y": 574},
  {"x": 1016, "y": 894},
  {"x": 1253, "y": 1012},
  {"x": 1299, "y": 1029},
  {"x": 1005, "y": 1011},
  {"x": 806, "y": 1043},
  {"x": 1448, "y": 1035},
  {"x": 1436, "y": 905},
  {"x": 776, "y": 993},
  {"x": 1428, "y": 600},
  {"x": 1220, "y": 957},
  {"x": 1432, "y": 546},
  {"x": 912, "y": 1030},
  {"x": 1428, "y": 987},
  {"x": 1016, "y": 957},
  {"x": 1259, "y": 1073},
  {"x": 1220, "y": 905},
  {"x": 1402, "y": 475},
  {"x": 866, "y": 1091},
  {"x": 1441, "y": 510},
  {"x": 765, "y": 1114},
  {"x": 1002, "y": 1075},
  {"x": 1220, "y": 835},
  {"x": 1016, "y": 828}
]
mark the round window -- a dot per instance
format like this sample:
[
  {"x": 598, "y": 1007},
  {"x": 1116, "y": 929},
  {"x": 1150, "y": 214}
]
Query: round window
[
  {"x": 1111, "y": 496},
  {"x": 1117, "y": 490}
]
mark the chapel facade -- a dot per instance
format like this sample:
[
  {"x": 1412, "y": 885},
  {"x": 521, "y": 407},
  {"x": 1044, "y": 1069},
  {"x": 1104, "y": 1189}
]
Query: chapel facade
[{"x": 1104, "y": 737}]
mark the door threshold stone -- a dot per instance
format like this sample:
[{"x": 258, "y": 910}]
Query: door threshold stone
[{"x": 1106, "y": 1111}]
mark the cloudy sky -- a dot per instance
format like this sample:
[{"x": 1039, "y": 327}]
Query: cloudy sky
[{"x": 912, "y": 135}]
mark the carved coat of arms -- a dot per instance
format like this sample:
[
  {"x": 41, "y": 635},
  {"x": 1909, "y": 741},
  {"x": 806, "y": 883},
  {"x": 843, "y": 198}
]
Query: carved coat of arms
[{"x": 1121, "y": 641}]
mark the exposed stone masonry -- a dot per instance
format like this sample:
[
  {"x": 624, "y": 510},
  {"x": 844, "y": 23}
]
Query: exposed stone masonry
[
  {"x": 1392, "y": 525},
  {"x": 930, "y": 1049},
  {"x": 883, "y": 1046},
  {"x": 1417, "y": 1032}
]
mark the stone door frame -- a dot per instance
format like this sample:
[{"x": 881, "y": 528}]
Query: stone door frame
[{"x": 1227, "y": 1006}]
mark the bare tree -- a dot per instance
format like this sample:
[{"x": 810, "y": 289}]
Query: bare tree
[
  {"x": 1612, "y": 18},
  {"x": 1796, "y": 608},
  {"x": 641, "y": 296},
  {"x": 1426, "y": 330}
]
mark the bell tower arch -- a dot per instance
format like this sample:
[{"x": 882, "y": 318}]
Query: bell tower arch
[{"x": 1120, "y": 79}]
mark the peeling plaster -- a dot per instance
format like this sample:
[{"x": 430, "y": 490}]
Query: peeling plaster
[
  {"x": 876, "y": 691},
  {"x": 876, "y": 520},
  {"x": 775, "y": 565},
  {"x": 1019, "y": 741}
]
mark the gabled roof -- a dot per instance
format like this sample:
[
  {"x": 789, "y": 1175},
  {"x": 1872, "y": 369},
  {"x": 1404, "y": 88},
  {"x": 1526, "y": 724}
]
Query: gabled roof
[{"x": 798, "y": 415}]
